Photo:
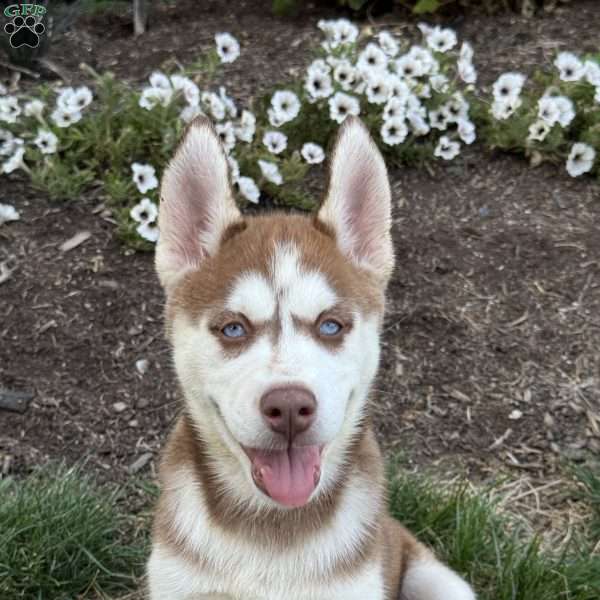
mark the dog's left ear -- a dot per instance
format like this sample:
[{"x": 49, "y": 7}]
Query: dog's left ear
[
  {"x": 358, "y": 204},
  {"x": 196, "y": 205}
]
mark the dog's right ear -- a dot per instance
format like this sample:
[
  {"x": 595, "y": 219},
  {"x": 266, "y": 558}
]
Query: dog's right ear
[{"x": 196, "y": 204}]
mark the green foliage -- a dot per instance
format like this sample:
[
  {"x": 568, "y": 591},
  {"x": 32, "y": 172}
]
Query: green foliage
[
  {"x": 588, "y": 477},
  {"x": 493, "y": 552},
  {"x": 122, "y": 126},
  {"x": 426, "y": 6},
  {"x": 61, "y": 536}
]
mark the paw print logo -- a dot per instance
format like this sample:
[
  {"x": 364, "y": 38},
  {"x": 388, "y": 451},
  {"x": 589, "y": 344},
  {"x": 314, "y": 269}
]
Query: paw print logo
[{"x": 24, "y": 32}]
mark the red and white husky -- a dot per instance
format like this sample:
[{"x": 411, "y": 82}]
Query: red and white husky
[{"x": 272, "y": 481}]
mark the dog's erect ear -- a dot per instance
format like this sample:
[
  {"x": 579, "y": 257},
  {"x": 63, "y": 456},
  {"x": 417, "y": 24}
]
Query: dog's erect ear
[
  {"x": 358, "y": 204},
  {"x": 196, "y": 205}
]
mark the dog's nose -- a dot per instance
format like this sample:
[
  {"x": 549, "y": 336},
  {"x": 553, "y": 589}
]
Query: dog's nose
[{"x": 289, "y": 410}]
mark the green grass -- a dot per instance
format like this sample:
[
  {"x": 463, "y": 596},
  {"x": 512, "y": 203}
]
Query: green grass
[
  {"x": 488, "y": 548},
  {"x": 64, "y": 537}
]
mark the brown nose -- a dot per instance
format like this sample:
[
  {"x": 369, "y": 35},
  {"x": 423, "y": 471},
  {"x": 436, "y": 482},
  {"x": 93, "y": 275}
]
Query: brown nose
[{"x": 289, "y": 410}]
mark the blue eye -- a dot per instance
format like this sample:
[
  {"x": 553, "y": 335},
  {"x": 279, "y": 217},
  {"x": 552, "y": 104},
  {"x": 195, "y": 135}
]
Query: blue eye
[
  {"x": 329, "y": 327},
  {"x": 233, "y": 330}
]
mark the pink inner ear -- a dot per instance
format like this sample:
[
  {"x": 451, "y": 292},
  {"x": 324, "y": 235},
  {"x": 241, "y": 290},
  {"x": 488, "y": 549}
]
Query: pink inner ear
[
  {"x": 197, "y": 203},
  {"x": 364, "y": 215},
  {"x": 358, "y": 204}
]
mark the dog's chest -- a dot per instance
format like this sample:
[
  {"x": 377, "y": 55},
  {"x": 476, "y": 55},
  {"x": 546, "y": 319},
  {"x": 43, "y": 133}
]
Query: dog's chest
[
  {"x": 328, "y": 564},
  {"x": 246, "y": 580}
]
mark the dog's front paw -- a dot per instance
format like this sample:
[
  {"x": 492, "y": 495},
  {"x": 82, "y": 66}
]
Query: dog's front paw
[{"x": 431, "y": 580}]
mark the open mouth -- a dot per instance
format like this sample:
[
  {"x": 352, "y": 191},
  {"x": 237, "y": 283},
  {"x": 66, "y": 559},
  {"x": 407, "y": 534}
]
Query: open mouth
[{"x": 287, "y": 476}]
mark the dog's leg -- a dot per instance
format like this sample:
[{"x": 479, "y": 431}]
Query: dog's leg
[{"x": 428, "y": 579}]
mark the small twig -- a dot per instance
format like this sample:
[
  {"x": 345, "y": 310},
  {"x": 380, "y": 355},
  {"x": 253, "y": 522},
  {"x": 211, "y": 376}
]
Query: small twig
[
  {"x": 57, "y": 70},
  {"x": 19, "y": 69}
]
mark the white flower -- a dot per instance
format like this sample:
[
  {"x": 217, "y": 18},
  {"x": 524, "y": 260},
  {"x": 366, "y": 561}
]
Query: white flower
[
  {"x": 566, "y": 109},
  {"x": 597, "y": 95},
  {"x": 508, "y": 87},
  {"x": 65, "y": 118},
  {"x": 275, "y": 118},
  {"x": 417, "y": 123},
  {"x": 548, "y": 110},
  {"x": 190, "y": 112},
  {"x": 429, "y": 64},
  {"x": 447, "y": 149},
  {"x": 318, "y": 84},
  {"x": 3, "y": 89},
  {"x": 46, "y": 141},
  {"x": 144, "y": 177},
  {"x": 228, "y": 48},
  {"x": 160, "y": 80},
  {"x": 377, "y": 89},
  {"x": 275, "y": 141},
  {"x": 441, "y": 40},
  {"x": 319, "y": 65},
  {"x": 15, "y": 161},
  {"x": 63, "y": 100},
  {"x": 230, "y": 106},
  {"x": 7, "y": 142},
  {"x": 394, "y": 131},
  {"x": 345, "y": 74},
  {"x": 439, "y": 83},
  {"x": 248, "y": 189},
  {"x": 438, "y": 119},
  {"x": 466, "y": 52},
  {"x": 286, "y": 104},
  {"x": 372, "y": 58},
  {"x": 234, "y": 168},
  {"x": 466, "y": 71},
  {"x": 81, "y": 98},
  {"x": 581, "y": 159},
  {"x": 395, "y": 107},
  {"x": 503, "y": 109},
  {"x": 398, "y": 88},
  {"x": 341, "y": 105},
  {"x": 466, "y": 130},
  {"x": 312, "y": 153},
  {"x": 187, "y": 87},
  {"x": 226, "y": 133},
  {"x": 214, "y": 104},
  {"x": 456, "y": 108},
  {"x": 270, "y": 172},
  {"x": 539, "y": 130},
  {"x": 148, "y": 230},
  {"x": 9, "y": 109},
  {"x": 34, "y": 108},
  {"x": 409, "y": 67},
  {"x": 569, "y": 66},
  {"x": 388, "y": 43},
  {"x": 145, "y": 211},
  {"x": 8, "y": 213},
  {"x": 592, "y": 72},
  {"x": 338, "y": 32},
  {"x": 151, "y": 96},
  {"x": 247, "y": 127}
]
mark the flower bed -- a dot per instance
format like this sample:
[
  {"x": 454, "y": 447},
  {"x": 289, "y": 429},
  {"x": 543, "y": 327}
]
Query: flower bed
[{"x": 421, "y": 102}]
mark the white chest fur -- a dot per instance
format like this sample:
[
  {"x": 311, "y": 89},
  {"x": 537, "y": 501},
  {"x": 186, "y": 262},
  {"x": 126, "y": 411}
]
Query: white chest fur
[{"x": 245, "y": 571}]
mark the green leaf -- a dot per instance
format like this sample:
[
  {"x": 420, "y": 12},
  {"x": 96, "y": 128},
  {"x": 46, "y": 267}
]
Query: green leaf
[
  {"x": 356, "y": 4},
  {"x": 426, "y": 6}
]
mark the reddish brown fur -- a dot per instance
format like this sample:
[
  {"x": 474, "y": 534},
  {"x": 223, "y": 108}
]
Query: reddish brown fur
[{"x": 245, "y": 248}]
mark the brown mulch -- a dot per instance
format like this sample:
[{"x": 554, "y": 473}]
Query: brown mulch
[{"x": 490, "y": 358}]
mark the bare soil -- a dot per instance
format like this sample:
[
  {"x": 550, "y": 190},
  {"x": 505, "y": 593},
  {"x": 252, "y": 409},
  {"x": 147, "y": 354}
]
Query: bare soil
[{"x": 491, "y": 358}]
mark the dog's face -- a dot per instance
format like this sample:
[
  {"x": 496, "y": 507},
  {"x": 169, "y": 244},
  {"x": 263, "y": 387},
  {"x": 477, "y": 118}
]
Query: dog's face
[{"x": 275, "y": 320}]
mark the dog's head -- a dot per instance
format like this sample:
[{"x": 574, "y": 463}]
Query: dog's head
[{"x": 275, "y": 320}]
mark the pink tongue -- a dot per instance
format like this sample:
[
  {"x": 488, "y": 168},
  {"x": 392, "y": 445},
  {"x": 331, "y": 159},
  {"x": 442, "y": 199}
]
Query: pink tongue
[{"x": 289, "y": 476}]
